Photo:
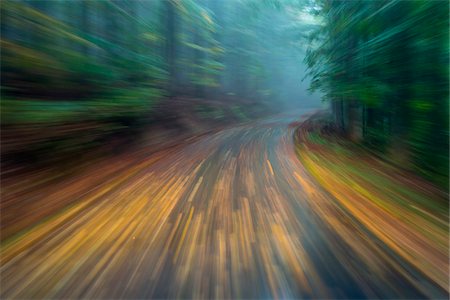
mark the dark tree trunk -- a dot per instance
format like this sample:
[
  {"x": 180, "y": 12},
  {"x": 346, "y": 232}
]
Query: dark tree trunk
[{"x": 170, "y": 46}]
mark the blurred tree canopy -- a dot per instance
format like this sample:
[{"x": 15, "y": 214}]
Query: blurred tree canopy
[
  {"x": 84, "y": 50},
  {"x": 384, "y": 65},
  {"x": 110, "y": 63}
]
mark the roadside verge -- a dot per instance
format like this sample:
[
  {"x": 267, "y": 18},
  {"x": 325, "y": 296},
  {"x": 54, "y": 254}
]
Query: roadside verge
[{"x": 404, "y": 211}]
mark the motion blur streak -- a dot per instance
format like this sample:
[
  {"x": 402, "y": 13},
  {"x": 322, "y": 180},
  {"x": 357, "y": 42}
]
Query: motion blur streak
[
  {"x": 224, "y": 149},
  {"x": 231, "y": 215}
]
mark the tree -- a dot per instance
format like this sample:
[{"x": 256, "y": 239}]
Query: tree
[{"x": 387, "y": 60}]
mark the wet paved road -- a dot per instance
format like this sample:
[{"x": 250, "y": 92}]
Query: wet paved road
[{"x": 232, "y": 215}]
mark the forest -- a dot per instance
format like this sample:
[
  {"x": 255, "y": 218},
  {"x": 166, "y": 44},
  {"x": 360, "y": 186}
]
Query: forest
[
  {"x": 384, "y": 66},
  {"x": 75, "y": 73},
  {"x": 224, "y": 149}
]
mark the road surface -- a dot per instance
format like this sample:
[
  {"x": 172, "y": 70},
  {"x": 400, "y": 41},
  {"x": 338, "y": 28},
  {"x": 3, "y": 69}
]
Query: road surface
[{"x": 231, "y": 215}]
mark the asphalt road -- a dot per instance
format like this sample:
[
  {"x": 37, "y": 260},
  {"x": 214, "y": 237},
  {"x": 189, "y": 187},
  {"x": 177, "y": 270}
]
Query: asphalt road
[{"x": 232, "y": 215}]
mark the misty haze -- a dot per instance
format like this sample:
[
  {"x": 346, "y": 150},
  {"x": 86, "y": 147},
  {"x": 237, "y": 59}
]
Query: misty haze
[{"x": 224, "y": 149}]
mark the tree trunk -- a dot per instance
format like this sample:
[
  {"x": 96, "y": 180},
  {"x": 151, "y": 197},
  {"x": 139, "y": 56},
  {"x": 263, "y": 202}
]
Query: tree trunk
[{"x": 170, "y": 46}]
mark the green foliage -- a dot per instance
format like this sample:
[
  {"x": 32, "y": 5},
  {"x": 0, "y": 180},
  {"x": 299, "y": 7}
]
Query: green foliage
[
  {"x": 391, "y": 57},
  {"x": 56, "y": 71},
  {"x": 134, "y": 103},
  {"x": 239, "y": 113},
  {"x": 210, "y": 112}
]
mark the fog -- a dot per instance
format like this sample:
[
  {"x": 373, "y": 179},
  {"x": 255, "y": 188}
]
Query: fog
[
  {"x": 224, "y": 149},
  {"x": 122, "y": 66}
]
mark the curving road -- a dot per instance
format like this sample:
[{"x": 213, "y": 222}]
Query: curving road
[{"x": 231, "y": 215}]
